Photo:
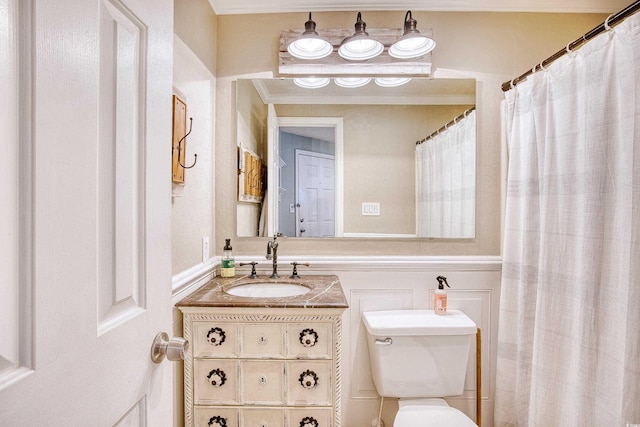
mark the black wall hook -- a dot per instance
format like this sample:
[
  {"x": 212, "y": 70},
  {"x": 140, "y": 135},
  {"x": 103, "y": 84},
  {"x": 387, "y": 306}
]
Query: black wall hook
[{"x": 179, "y": 148}]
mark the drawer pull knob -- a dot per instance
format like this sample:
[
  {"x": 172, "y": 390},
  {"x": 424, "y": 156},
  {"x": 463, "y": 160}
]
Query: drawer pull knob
[
  {"x": 309, "y": 422},
  {"x": 216, "y": 336},
  {"x": 308, "y": 379},
  {"x": 262, "y": 340},
  {"x": 308, "y": 337},
  {"x": 217, "y": 421},
  {"x": 262, "y": 380},
  {"x": 217, "y": 378}
]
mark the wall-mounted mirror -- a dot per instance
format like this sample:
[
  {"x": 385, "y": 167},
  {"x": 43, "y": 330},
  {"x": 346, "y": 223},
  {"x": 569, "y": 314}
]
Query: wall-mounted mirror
[{"x": 341, "y": 162}]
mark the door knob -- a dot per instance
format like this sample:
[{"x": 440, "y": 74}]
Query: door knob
[{"x": 174, "y": 349}]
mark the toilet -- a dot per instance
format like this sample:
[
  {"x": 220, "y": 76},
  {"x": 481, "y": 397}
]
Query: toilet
[{"x": 420, "y": 357}]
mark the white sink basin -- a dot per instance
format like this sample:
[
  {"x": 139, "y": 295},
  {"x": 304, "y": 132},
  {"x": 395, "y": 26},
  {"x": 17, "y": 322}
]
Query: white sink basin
[{"x": 267, "y": 290}]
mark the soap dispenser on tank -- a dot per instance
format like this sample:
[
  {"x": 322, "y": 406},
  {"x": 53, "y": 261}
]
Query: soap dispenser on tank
[{"x": 440, "y": 296}]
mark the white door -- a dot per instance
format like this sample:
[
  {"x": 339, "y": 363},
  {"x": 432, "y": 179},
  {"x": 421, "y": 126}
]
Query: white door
[
  {"x": 88, "y": 276},
  {"x": 315, "y": 194}
]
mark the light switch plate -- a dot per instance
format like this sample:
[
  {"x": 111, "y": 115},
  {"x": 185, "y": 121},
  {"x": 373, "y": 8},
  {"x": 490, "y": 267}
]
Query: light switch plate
[{"x": 371, "y": 208}]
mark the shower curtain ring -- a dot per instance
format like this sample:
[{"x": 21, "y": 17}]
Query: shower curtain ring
[
  {"x": 606, "y": 22},
  {"x": 541, "y": 66},
  {"x": 568, "y": 49},
  {"x": 511, "y": 84}
]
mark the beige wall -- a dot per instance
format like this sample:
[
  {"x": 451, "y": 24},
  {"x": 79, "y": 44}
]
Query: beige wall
[
  {"x": 193, "y": 203},
  {"x": 490, "y": 47},
  {"x": 196, "y": 24}
]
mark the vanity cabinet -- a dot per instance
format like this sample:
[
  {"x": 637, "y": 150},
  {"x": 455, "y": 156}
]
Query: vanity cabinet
[{"x": 262, "y": 367}]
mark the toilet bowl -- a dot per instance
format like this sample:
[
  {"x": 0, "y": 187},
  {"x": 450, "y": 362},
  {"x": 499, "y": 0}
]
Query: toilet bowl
[
  {"x": 420, "y": 357},
  {"x": 429, "y": 412}
]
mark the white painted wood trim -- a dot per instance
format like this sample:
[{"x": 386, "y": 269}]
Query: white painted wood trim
[
  {"x": 400, "y": 263},
  {"x": 187, "y": 281},
  {"x": 191, "y": 279}
]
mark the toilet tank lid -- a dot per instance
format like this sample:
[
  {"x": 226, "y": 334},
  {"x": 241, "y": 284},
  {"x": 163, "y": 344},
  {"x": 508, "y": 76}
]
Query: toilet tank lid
[{"x": 417, "y": 322}]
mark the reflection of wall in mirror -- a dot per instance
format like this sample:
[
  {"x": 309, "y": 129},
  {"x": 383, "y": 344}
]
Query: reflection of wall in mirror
[
  {"x": 379, "y": 163},
  {"x": 251, "y": 134}
]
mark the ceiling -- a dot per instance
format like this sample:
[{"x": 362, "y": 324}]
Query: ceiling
[{"x": 227, "y": 7}]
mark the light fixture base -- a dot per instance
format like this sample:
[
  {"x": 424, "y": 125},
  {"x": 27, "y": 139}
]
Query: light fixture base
[{"x": 333, "y": 64}]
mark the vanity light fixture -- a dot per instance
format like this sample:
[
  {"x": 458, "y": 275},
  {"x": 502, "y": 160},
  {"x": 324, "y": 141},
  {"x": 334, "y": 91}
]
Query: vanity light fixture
[
  {"x": 412, "y": 44},
  {"x": 310, "y": 45},
  {"x": 392, "y": 81},
  {"x": 352, "y": 82},
  {"x": 311, "y": 82},
  {"x": 360, "y": 46}
]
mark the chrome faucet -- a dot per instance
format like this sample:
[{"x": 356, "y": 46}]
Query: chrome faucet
[{"x": 272, "y": 246}]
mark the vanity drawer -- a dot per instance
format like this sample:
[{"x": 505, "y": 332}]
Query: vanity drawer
[
  {"x": 305, "y": 417},
  {"x": 215, "y": 417},
  {"x": 309, "y": 383},
  {"x": 215, "y": 382},
  {"x": 310, "y": 340},
  {"x": 262, "y": 382},
  {"x": 263, "y": 341},
  {"x": 215, "y": 339},
  {"x": 261, "y": 417}
]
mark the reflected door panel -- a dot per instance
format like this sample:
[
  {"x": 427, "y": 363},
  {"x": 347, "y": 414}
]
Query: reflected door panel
[{"x": 315, "y": 188}]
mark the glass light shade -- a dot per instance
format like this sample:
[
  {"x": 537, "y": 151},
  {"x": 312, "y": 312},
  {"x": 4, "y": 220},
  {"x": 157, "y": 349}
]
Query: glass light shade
[
  {"x": 352, "y": 82},
  {"x": 360, "y": 46},
  {"x": 412, "y": 44},
  {"x": 360, "y": 49},
  {"x": 310, "y": 48},
  {"x": 392, "y": 81},
  {"x": 311, "y": 82},
  {"x": 310, "y": 45}
]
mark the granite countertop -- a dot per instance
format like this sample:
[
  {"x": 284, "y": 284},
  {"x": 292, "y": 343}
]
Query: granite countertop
[{"x": 325, "y": 292}]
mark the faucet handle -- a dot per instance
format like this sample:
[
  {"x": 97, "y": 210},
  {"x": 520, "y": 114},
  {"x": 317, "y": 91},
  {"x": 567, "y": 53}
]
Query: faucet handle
[
  {"x": 294, "y": 274},
  {"x": 253, "y": 264}
]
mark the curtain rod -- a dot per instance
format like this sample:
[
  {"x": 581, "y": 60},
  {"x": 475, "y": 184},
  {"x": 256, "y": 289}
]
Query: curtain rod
[
  {"x": 610, "y": 22},
  {"x": 452, "y": 122}
]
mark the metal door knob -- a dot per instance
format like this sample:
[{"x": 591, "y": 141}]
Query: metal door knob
[{"x": 174, "y": 349}]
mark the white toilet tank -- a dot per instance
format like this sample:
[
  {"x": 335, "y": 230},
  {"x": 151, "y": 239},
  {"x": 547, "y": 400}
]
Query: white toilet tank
[{"x": 417, "y": 353}]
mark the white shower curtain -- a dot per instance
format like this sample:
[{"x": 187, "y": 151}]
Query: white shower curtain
[
  {"x": 445, "y": 182},
  {"x": 569, "y": 331}
]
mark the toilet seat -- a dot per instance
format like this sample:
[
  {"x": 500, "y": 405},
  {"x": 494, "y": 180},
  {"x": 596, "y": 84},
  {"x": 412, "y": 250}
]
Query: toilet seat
[{"x": 429, "y": 412}]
